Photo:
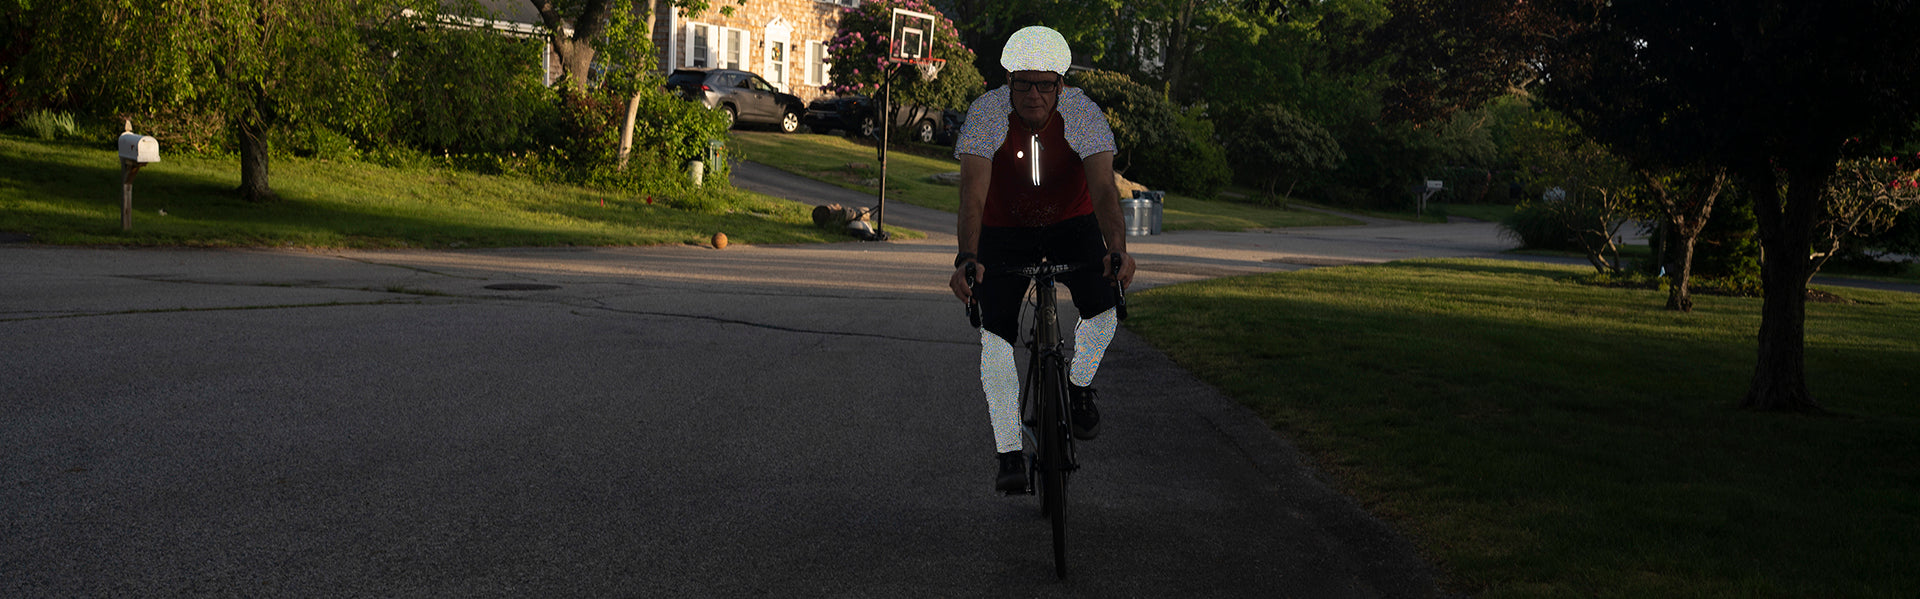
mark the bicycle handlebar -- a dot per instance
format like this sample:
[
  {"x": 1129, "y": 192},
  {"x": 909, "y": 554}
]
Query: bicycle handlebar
[{"x": 1115, "y": 260}]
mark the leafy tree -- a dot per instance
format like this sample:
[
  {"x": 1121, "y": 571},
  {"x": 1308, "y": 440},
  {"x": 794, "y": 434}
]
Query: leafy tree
[
  {"x": 1278, "y": 144},
  {"x": 986, "y": 24},
  {"x": 1684, "y": 199},
  {"x": 463, "y": 90},
  {"x": 572, "y": 27},
  {"x": 1589, "y": 191},
  {"x": 620, "y": 33},
  {"x": 1446, "y": 56},
  {"x": 1864, "y": 198},
  {"x": 253, "y": 64},
  {"x": 1771, "y": 89}
]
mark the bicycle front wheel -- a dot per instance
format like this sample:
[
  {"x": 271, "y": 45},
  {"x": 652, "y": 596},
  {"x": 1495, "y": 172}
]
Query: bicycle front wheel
[{"x": 1055, "y": 459}]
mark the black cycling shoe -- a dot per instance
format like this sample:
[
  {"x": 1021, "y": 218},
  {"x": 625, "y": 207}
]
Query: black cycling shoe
[
  {"x": 1013, "y": 473},
  {"x": 1086, "y": 416}
]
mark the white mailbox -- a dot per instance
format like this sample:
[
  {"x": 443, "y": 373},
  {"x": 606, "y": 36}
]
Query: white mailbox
[{"x": 139, "y": 148}]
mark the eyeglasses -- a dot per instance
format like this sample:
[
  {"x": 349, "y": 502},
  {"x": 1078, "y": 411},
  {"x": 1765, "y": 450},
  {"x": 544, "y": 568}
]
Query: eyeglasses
[{"x": 1045, "y": 87}]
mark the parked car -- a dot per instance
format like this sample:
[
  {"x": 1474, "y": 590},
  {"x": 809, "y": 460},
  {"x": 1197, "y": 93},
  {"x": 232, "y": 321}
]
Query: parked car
[
  {"x": 743, "y": 96},
  {"x": 854, "y": 115}
]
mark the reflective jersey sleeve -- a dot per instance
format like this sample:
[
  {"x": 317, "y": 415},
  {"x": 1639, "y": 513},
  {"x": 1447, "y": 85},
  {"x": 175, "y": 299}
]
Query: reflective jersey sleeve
[
  {"x": 1087, "y": 128},
  {"x": 986, "y": 124}
]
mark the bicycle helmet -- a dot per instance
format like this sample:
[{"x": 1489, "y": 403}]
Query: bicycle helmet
[{"x": 1036, "y": 48}]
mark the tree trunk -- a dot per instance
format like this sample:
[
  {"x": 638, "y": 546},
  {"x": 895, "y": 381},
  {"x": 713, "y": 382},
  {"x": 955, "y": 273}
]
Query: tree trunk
[
  {"x": 1178, "y": 52},
  {"x": 253, "y": 162},
  {"x": 1779, "y": 378},
  {"x": 576, "y": 57},
  {"x": 575, "y": 50},
  {"x": 1678, "y": 296},
  {"x": 626, "y": 132},
  {"x": 1686, "y": 216}
]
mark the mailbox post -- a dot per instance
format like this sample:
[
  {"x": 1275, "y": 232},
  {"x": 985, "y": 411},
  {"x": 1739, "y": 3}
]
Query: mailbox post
[
  {"x": 1432, "y": 187},
  {"x": 136, "y": 150}
]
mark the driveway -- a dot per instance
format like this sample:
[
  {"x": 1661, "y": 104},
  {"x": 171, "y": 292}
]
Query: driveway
[{"x": 666, "y": 421}]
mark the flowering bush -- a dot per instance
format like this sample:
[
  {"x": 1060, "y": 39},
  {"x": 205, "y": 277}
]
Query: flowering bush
[
  {"x": 858, "y": 53},
  {"x": 1864, "y": 198}
]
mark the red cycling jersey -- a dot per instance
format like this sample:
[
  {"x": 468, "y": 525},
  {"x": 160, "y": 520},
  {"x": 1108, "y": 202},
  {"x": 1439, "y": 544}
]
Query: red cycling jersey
[{"x": 1014, "y": 199}]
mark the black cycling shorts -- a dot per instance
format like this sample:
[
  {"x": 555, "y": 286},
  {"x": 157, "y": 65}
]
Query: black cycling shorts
[{"x": 1073, "y": 241}]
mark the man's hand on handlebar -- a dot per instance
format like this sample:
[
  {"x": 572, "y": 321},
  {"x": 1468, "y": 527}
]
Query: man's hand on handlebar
[
  {"x": 1126, "y": 269},
  {"x": 961, "y": 287}
]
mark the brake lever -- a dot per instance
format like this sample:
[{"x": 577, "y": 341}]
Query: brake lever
[{"x": 973, "y": 307}]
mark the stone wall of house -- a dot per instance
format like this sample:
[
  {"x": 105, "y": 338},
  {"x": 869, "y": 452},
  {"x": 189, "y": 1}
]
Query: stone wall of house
[{"x": 808, "y": 24}]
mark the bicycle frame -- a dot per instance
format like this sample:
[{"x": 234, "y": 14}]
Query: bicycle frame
[
  {"x": 1043, "y": 397},
  {"x": 1047, "y": 424}
]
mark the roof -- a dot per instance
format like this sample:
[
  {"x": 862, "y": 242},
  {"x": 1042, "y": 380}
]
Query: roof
[{"x": 513, "y": 11}]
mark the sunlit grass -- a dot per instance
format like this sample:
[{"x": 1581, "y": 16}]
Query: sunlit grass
[
  {"x": 69, "y": 193},
  {"x": 842, "y": 162},
  {"x": 1541, "y": 438}
]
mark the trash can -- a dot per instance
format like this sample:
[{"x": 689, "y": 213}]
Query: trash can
[
  {"x": 1143, "y": 211},
  {"x": 1138, "y": 213}
]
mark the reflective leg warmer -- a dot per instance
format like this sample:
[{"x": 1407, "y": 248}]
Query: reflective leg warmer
[
  {"x": 1090, "y": 339},
  {"x": 1000, "y": 378}
]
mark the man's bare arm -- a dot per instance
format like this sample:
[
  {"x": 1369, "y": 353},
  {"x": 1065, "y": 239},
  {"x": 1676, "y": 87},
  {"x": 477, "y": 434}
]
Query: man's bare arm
[
  {"x": 976, "y": 175},
  {"x": 1106, "y": 208}
]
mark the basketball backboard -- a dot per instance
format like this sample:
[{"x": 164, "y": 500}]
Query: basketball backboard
[{"x": 912, "y": 38}]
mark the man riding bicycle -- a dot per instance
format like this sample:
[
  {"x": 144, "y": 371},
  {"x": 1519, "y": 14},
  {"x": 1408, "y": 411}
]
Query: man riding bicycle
[{"x": 1037, "y": 184}]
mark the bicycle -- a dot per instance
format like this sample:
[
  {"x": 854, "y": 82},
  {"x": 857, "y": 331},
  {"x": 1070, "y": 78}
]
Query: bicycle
[{"x": 1048, "y": 424}]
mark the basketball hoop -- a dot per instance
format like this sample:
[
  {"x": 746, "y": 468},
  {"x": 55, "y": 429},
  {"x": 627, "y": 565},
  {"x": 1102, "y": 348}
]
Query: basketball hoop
[{"x": 930, "y": 69}]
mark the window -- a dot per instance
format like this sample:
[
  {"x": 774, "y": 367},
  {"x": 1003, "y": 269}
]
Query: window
[
  {"x": 818, "y": 69},
  {"x": 736, "y": 49},
  {"x": 699, "y": 48}
]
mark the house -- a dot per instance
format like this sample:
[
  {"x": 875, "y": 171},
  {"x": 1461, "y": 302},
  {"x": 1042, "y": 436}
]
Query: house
[
  {"x": 784, "y": 41},
  {"x": 512, "y": 18}
]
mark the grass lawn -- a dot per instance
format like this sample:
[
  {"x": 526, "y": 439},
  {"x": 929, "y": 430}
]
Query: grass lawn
[
  {"x": 69, "y": 193},
  {"x": 1540, "y": 438},
  {"x": 828, "y": 158}
]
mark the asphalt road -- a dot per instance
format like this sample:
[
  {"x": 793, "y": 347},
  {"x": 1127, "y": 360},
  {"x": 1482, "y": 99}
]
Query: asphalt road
[{"x": 667, "y": 421}]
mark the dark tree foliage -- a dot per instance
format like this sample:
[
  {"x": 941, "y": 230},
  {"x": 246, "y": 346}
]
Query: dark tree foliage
[
  {"x": 1279, "y": 145},
  {"x": 1772, "y": 90},
  {"x": 1451, "y": 55}
]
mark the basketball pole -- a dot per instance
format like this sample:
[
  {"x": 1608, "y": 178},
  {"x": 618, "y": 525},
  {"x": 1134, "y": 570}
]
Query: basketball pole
[{"x": 885, "y": 120}]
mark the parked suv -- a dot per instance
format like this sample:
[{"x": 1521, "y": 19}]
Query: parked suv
[
  {"x": 743, "y": 96},
  {"x": 854, "y": 115}
]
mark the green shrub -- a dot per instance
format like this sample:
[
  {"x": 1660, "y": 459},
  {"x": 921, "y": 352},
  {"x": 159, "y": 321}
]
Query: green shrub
[
  {"x": 1539, "y": 225},
  {"x": 1741, "y": 285},
  {"x": 1384, "y": 162},
  {"x": 1273, "y": 145},
  {"x": 1203, "y": 160},
  {"x": 183, "y": 130},
  {"x": 1729, "y": 244},
  {"x": 465, "y": 91},
  {"x": 49, "y": 125},
  {"x": 314, "y": 141},
  {"x": 1160, "y": 145},
  {"x": 1627, "y": 279}
]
